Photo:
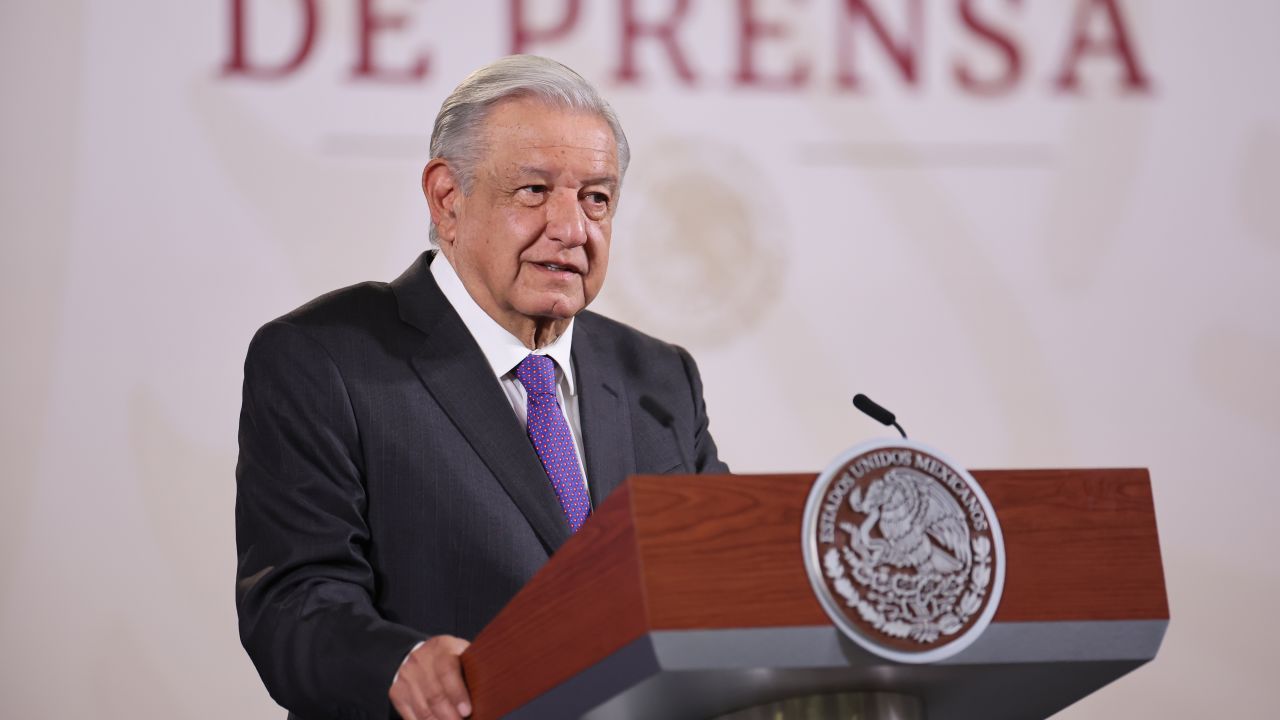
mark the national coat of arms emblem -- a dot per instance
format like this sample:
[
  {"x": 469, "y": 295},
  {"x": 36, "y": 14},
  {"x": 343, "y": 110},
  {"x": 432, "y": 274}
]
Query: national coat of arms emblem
[{"x": 903, "y": 550}]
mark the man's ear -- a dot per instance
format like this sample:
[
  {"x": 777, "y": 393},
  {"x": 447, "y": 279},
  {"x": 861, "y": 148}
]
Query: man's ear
[{"x": 443, "y": 192}]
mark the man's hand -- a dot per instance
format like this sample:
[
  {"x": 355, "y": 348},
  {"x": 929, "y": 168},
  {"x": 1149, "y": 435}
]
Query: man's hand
[{"x": 430, "y": 685}]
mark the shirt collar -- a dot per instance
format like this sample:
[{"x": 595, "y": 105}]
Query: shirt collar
[{"x": 501, "y": 349}]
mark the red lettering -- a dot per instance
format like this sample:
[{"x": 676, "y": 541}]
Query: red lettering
[
  {"x": 1003, "y": 44},
  {"x": 633, "y": 29},
  {"x": 1117, "y": 43},
  {"x": 523, "y": 36},
  {"x": 370, "y": 23},
  {"x": 902, "y": 53},
  {"x": 751, "y": 30},
  {"x": 239, "y": 63}
]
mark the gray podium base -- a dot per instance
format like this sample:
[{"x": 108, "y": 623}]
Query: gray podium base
[
  {"x": 1015, "y": 671},
  {"x": 843, "y": 706}
]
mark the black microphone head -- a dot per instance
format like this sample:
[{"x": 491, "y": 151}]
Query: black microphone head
[
  {"x": 654, "y": 408},
  {"x": 877, "y": 413}
]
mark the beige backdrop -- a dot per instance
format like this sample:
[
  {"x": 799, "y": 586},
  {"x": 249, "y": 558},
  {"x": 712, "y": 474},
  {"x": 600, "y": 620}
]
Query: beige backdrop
[{"x": 1031, "y": 279}]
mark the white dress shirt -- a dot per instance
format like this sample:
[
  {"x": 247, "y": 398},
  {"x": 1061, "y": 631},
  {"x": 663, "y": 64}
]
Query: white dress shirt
[{"x": 504, "y": 352}]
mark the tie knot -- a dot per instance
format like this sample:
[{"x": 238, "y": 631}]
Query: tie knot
[{"x": 537, "y": 373}]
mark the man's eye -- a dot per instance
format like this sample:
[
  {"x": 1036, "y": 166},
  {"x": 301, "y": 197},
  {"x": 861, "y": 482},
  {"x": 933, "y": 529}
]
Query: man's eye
[
  {"x": 596, "y": 205},
  {"x": 535, "y": 189}
]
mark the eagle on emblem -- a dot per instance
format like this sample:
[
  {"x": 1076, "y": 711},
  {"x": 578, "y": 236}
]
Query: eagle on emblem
[{"x": 920, "y": 525}]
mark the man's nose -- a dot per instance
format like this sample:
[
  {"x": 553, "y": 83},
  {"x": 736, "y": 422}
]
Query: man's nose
[{"x": 566, "y": 221}]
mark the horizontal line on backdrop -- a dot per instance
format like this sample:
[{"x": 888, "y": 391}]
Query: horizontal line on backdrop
[
  {"x": 888, "y": 155},
  {"x": 391, "y": 147},
  {"x": 927, "y": 155}
]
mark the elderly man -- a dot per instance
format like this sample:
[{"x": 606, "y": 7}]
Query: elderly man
[{"x": 412, "y": 452}]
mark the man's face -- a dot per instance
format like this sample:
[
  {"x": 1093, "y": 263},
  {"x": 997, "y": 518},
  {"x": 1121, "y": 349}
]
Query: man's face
[{"x": 531, "y": 241}]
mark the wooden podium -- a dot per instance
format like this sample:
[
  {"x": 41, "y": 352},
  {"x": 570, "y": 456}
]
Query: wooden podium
[{"x": 687, "y": 597}]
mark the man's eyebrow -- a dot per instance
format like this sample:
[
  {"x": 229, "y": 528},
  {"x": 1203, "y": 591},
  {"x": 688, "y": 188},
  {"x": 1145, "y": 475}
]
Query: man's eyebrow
[{"x": 609, "y": 180}]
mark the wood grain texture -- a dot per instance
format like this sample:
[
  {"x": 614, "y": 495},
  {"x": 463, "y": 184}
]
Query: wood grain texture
[
  {"x": 724, "y": 552},
  {"x": 585, "y": 603},
  {"x": 1080, "y": 544}
]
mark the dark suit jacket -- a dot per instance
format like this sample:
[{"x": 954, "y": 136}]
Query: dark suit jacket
[{"x": 386, "y": 491}]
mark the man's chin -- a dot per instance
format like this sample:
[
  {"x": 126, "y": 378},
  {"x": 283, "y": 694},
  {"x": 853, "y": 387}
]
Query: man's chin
[{"x": 558, "y": 308}]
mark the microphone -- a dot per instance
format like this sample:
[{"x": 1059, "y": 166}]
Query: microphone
[
  {"x": 667, "y": 420},
  {"x": 877, "y": 413}
]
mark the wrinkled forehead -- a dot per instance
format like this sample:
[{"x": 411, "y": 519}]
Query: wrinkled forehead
[{"x": 531, "y": 126}]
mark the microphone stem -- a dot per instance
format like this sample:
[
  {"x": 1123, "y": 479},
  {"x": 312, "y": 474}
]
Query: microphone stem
[{"x": 900, "y": 430}]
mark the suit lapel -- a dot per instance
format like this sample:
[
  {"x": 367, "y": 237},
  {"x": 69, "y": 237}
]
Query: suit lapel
[
  {"x": 453, "y": 368},
  {"x": 602, "y": 407}
]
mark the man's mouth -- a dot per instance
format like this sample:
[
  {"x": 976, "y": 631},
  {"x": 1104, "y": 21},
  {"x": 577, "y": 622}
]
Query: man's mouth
[{"x": 557, "y": 268}]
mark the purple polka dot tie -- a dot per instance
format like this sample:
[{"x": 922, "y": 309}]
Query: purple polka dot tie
[{"x": 551, "y": 437}]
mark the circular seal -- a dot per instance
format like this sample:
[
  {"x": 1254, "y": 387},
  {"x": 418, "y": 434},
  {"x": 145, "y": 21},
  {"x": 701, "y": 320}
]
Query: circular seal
[{"x": 903, "y": 550}]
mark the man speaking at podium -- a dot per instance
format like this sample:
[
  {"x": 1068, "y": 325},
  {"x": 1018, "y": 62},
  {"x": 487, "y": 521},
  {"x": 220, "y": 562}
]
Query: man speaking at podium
[{"x": 412, "y": 452}]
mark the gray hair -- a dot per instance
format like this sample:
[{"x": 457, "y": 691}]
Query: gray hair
[{"x": 455, "y": 135}]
